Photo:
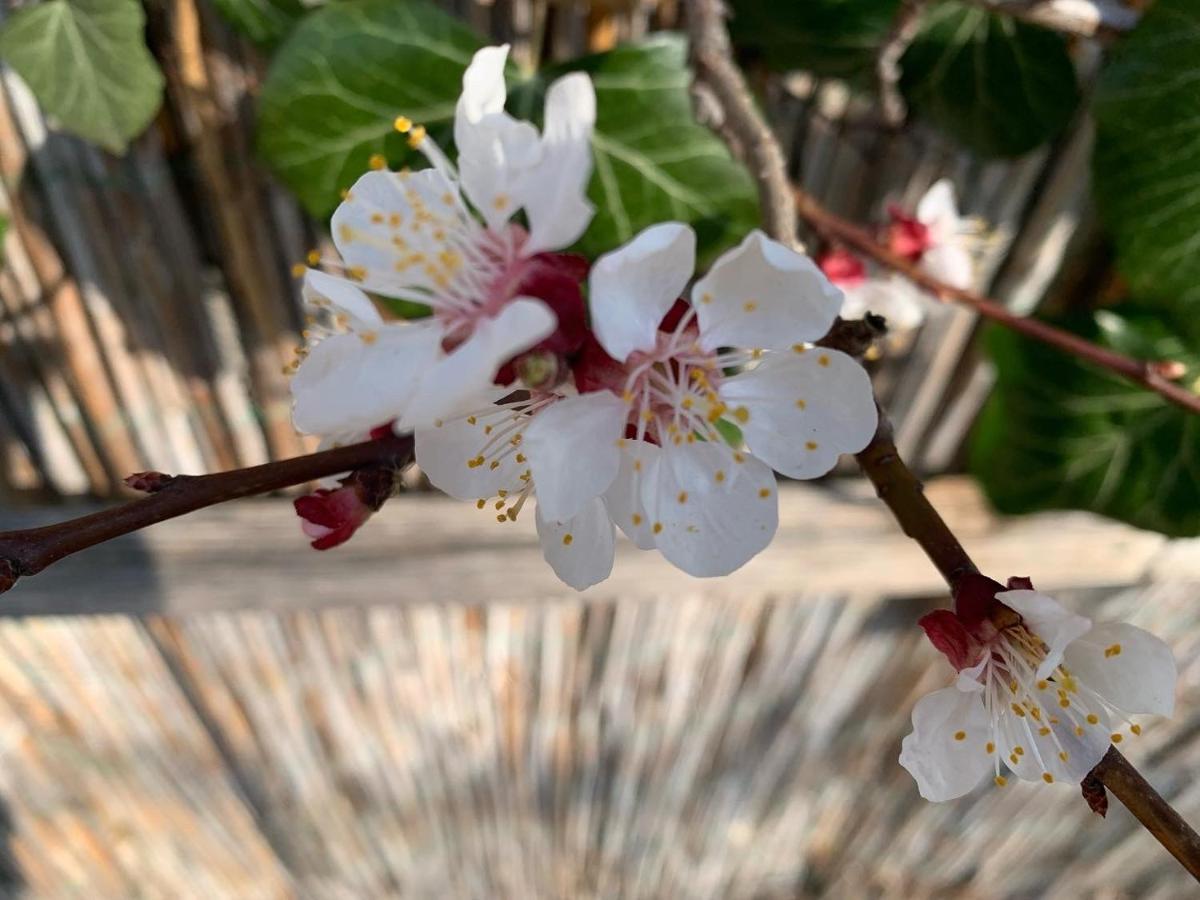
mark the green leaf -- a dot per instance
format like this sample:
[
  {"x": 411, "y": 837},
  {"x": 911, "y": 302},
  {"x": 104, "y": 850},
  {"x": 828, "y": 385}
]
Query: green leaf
[
  {"x": 1061, "y": 434},
  {"x": 1147, "y": 156},
  {"x": 1000, "y": 86},
  {"x": 835, "y": 38},
  {"x": 342, "y": 76},
  {"x": 265, "y": 22},
  {"x": 87, "y": 64},
  {"x": 653, "y": 161}
]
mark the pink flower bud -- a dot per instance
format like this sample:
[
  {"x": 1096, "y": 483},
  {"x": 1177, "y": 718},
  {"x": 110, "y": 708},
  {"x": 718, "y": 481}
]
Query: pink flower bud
[{"x": 332, "y": 516}]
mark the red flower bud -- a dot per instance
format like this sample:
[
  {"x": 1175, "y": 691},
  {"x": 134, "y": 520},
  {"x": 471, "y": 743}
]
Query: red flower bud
[{"x": 332, "y": 516}]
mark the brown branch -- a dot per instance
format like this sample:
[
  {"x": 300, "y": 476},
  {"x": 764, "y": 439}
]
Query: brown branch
[
  {"x": 1154, "y": 376},
  {"x": 887, "y": 61},
  {"x": 724, "y": 104},
  {"x": 894, "y": 482},
  {"x": 28, "y": 552}
]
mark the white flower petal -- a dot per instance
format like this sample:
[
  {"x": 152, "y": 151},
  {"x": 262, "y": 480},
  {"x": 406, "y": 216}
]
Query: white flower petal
[
  {"x": 483, "y": 90},
  {"x": 804, "y": 409},
  {"x": 633, "y": 287},
  {"x": 894, "y": 298},
  {"x": 950, "y": 262},
  {"x": 451, "y": 386},
  {"x": 347, "y": 384},
  {"x": 1127, "y": 666},
  {"x": 1049, "y": 620},
  {"x": 1043, "y": 743},
  {"x": 938, "y": 210},
  {"x": 762, "y": 294},
  {"x": 580, "y": 550},
  {"x": 342, "y": 294},
  {"x": 555, "y": 200},
  {"x": 944, "y": 766},
  {"x": 377, "y": 230},
  {"x": 624, "y": 497},
  {"x": 709, "y": 513},
  {"x": 444, "y": 451},
  {"x": 573, "y": 451}
]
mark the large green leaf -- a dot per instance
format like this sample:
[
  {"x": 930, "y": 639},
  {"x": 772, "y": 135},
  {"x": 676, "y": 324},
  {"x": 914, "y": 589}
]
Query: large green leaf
[
  {"x": 86, "y": 62},
  {"x": 1000, "y": 86},
  {"x": 342, "y": 76},
  {"x": 1147, "y": 157},
  {"x": 653, "y": 161},
  {"x": 1057, "y": 433},
  {"x": 265, "y": 22},
  {"x": 838, "y": 38}
]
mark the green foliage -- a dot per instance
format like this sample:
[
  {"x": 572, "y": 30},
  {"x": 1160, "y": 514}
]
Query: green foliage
[
  {"x": 1058, "y": 433},
  {"x": 1000, "y": 86},
  {"x": 340, "y": 79},
  {"x": 88, "y": 66},
  {"x": 265, "y": 22},
  {"x": 653, "y": 161},
  {"x": 1147, "y": 156},
  {"x": 835, "y": 38}
]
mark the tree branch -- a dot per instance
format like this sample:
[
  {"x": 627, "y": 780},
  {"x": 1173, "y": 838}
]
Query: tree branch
[
  {"x": 887, "y": 62},
  {"x": 28, "y": 552},
  {"x": 1154, "y": 376},
  {"x": 896, "y": 484},
  {"x": 724, "y": 104}
]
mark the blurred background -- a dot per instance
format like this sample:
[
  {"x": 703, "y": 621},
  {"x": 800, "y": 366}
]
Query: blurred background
[{"x": 209, "y": 709}]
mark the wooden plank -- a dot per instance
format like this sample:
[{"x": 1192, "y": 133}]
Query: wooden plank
[{"x": 431, "y": 549}]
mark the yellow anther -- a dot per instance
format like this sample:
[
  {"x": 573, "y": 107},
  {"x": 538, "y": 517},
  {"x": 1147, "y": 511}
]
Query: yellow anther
[
  {"x": 960, "y": 735},
  {"x": 356, "y": 273},
  {"x": 1048, "y": 778},
  {"x": 637, "y": 520},
  {"x": 823, "y": 360},
  {"x": 402, "y": 124},
  {"x": 688, "y": 402},
  {"x": 991, "y": 748},
  {"x": 502, "y": 518},
  {"x": 499, "y": 504},
  {"x": 448, "y": 198},
  {"x": 1012, "y": 758},
  {"x": 1019, "y": 750},
  {"x": 1001, "y": 781},
  {"x": 567, "y": 538},
  {"x": 480, "y": 504},
  {"x": 1114, "y": 650},
  {"x": 657, "y": 527},
  {"x": 1063, "y": 755},
  {"x": 706, "y": 298},
  {"x": 800, "y": 404},
  {"x": 1064, "y": 702},
  {"x": 395, "y": 220},
  {"x": 1012, "y": 686},
  {"x": 1116, "y": 737},
  {"x": 512, "y": 514},
  {"x": 377, "y": 161},
  {"x": 637, "y": 465},
  {"x": 739, "y": 458},
  {"x": 1136, "y": 729},
  {"x": 742, "y": 414},
  {"x": 377, "y": 218},
  {"x": 627, "y": 396},
  {"x": 471, "y": 420},
  {"x": 495, "y": 465},
  {"x": 719, "y": 476},
  {"x": 520, "y": 457},
  {"x": 799, "y": 348},
  {"x": 344, "y": 193},
  {"x": 298, "y": 270},
  {"x": 1017, "y": 709},
  {"x": 749, "y": 306},
  {"x": 1078, "y": 731},
  {"x": 682, "y": 498},
  {"x": 1093, "y": 719},
  {"x": 368, "y": 337},
  {"x": 313, "y": 257},
  {"x": 500, "y": 202},
  {"x": 1044, "y": 730},
  {"x": 1042, "y": 685},
  {"x": 764, "y": 493},
  {"x": 417, "y": 136}
]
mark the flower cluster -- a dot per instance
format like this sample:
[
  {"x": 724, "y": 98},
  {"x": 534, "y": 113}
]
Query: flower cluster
[
  {"x": 661, "y": 406},
  {"x": 935, "y": 237},
  {"x": 1041, "y": 692}
]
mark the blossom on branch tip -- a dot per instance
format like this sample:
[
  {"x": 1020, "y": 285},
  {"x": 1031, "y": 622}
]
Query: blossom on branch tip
[
  {"x": 1041, "y": 692},
  {"x": 936, "y": 237},
  {"x": 444, "y": 238},
  {"x": 892, "y": 296}
]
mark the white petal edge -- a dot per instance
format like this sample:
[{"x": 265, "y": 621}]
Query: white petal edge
[
  {"x": 633, "y": 287},
  {"x": 1049, "y": 620},
  {"x": 581, "y": 549},
  {"x": 342, "y": 294},
  {"x": 762, "y": 294},
  {"x": 946, "y": 768},
  {"x": 573, "y": 451}
]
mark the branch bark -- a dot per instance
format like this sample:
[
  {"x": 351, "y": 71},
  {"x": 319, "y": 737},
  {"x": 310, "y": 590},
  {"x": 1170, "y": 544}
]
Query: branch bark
[
  {"x": 1153, "y": 376},
  {"x": 28, "y": 552},
  {"x": 723, "y": 103},
  {"x": 896, "y": 484}
]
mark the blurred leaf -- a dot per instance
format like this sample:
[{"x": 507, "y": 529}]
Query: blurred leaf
[
  {"x": 835, "y": 38},
  {"x": 1058, "y": 433},
  {"x": 265, "y": 22},
  {"x": 86, "y": 62},
  {"x": 1000, "y": 86},
  {"x": 342, "y": 76},
  {"x": 1147, "y": 156},
  {"x": 653, "y": 161}
]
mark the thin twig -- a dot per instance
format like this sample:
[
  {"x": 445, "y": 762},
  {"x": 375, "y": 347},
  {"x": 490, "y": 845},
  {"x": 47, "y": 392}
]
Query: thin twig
[
  {"x": 724, "y": 104},
  {"x": 887, "y": 62},
  {"x": 1153, "y": 376},
  {"x": 900, "y": 489},
  {"x": 29, "y": 551}
]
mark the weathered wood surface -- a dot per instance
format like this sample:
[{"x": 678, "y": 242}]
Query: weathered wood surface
[
  {"x": 423, "y": 549},
  {"x": 690, "y": 747}
]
